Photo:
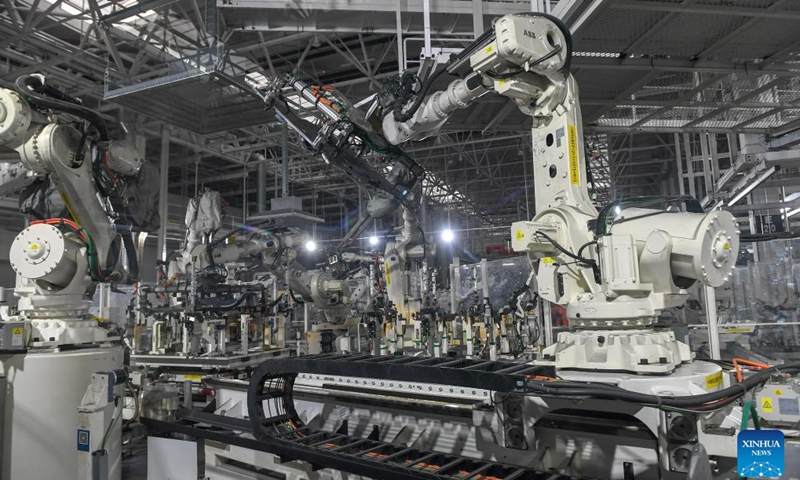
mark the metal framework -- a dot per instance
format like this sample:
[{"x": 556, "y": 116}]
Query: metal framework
[{"x": 646, "y": 68}]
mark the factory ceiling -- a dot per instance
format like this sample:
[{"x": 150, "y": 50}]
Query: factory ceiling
[{"x": 190, "y": 70}]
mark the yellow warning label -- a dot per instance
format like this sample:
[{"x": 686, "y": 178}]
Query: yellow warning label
[
  {"x": 192, "y": 376},
  {"x": 388, "y": 275},
  {"x": 489, "y": 49},
  {"x": 71, "y": 210},
  {"x": 34, "y": 246},
  {"x": 766, "y": 405},
  {"x": 726, "y": 246},
  {"x": 737, "y": 330},
  {"x": 778, "y": 392},
  {"x": 548, "y": 260},
  {"x": 519, "y": 235},
  {"x": 16, "y": 331},
  {"x": 500, "y": 83},
  {"x": 574, "y": 167},
  {"x": 714, "y": 381}
]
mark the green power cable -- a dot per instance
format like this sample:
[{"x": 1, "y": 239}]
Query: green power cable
[
  {"x": 110, "y": 427},
  {"x": 747, "y": 410}
]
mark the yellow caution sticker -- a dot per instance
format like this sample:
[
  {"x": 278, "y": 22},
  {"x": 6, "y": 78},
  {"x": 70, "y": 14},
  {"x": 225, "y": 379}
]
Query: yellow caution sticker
[
  {"x": 71, "y": 210},
  {"x": 192, "y": 376},
  {"x": 574, "y": 167},
  {"x": 16, "y": 331},
  {"x": 388, "y": 275},
  {"x": 490, "y": 49},
  {"x": 714, "y": 381},
  {"x": 778, "y": 392},
  {"x": 501, "y": 83},
  {"x": 726, "y": 246},
  {"x": 737, "y": 330},
  {"x": 34, "y": 246},
  {"x": 519, "y": 235},
  {"x": 548, "y": 260},
  {"x": 766, "y": 405}
]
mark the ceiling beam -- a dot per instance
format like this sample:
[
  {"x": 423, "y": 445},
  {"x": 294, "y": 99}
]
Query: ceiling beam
[
  {"x": 678, "y": 65},
  {"x": 707, "y": 9}
]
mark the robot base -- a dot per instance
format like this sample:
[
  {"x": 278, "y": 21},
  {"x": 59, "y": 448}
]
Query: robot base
[
  {"x": 42, "y": 392},
  {"x": 52, "y": 333},
  {"x": 638, "y": 351}
]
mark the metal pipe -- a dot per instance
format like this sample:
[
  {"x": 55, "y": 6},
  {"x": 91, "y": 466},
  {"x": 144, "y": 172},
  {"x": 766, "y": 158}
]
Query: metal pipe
[
  {"x": 401, "y": 59},
  {"x": 163, "y": 183},
  {"x": 244, "y": 193},
  {"x": 477, "y": 18},
  {"x": 426, "y": 12},
  {"x": 262, "y": 187},
  {"x": 737, "y": 325},
  {"x": 285, "y": 160},
  {"x": 211, "y": 18},
  {"x": 120, "y": 15}
]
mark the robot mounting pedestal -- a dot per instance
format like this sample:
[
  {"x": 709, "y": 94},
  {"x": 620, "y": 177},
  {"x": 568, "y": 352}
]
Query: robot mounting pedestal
[{"x": 642, "y": 351}]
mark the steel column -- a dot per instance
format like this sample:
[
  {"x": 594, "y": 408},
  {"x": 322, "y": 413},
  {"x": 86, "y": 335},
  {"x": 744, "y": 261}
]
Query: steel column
[
  {"x": 261, "y": 191},
  {"x": 689, "y": 165},
  {"x": 401, "y": 59},
  {"x": 285, "y": 161},
  {"x": 477, "y": 18},
  {"x": 426, "y": 13},
  {"x": 163, "y": 201},
  {"x": 709, "y": 182}
]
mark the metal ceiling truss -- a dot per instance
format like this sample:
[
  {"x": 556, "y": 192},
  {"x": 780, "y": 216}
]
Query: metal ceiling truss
[
  {"x": 686, "y": 65},
  {"x": 658, "y": 66}
]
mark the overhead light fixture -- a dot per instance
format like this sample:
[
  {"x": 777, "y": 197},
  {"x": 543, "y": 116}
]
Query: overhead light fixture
[
  {"x": 758, "y": 181},
  {"x": 311, "y": 245},
  {"x": 793, "y": 212},
  {"x": 373, "y": 240},
  {"x": 448, "y": 235}
]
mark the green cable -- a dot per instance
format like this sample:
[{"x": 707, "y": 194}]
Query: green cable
[
  {"x": 745, "y": 415},
  {"x": 756, "y": 421},
  {"x": 747, "y": 410},
  {"x": 92, "y": 252},
  {"x": 110, "y": 427}
]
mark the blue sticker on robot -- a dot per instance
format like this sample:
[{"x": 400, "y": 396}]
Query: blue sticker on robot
[
  {"x": 83, "y": 440},
  {"x": 760, "y": 453}
]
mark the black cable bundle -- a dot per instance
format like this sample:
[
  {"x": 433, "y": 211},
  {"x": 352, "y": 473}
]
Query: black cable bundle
[
  {"x": 702, "y": 403},
  {"x": 35, "y": 92}
]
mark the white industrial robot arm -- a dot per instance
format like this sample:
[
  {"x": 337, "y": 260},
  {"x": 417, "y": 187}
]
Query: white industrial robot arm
[
  {"x": 59, "y": 259},
  {"x": 614, "y": 272},
  {"x": 48, "y": 145},
  {"x": 204, "y": 217}
]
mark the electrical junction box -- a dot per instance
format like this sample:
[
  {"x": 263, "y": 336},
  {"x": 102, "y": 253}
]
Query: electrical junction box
[
  {"x": 779, "y": 403},
  {"x": 14, "y": 337}
]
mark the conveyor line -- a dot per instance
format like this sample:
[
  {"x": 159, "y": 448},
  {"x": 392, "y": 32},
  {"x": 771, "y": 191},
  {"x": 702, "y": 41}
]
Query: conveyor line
[{"x": 368, "y": 457}]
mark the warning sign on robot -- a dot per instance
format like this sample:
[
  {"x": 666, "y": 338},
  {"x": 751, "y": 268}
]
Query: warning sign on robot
[{"x": 574, "y": 167}]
